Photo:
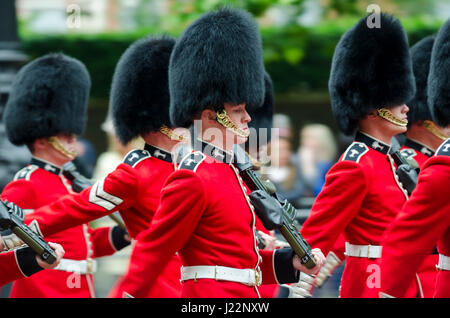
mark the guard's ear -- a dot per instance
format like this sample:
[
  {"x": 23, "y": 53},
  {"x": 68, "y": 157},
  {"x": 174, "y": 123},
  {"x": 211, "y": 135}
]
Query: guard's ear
[
  {"x": 208, "y": 115},
  {"x": 39, "y": 144},
  {"x": 372, "y": 114}
]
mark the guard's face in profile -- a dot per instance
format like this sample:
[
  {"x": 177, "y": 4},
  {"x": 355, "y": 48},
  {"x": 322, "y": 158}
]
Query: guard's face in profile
[{"x": 240, "y": 117}]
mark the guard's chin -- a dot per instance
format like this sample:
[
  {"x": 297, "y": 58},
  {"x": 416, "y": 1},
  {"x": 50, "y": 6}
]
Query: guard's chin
[{"x": 240, "y": 140}]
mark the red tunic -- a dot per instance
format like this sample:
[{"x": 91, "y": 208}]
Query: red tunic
[
  {"x": 39, "y": 184},
  {"x": 423, "y": 222},
  {"x": 419, "y": 152},
  {"x": 17, "y": 264},
  {"x": 266, "y": 290},
  {"x": 206, "y": 216},
  {"x": 361, "y": 196},
  {"x": 427, "y": 271},
  {"x": 134, "y": 190}
]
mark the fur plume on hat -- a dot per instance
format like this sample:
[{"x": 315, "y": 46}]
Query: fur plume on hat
[{"x": 263, "y": 117}]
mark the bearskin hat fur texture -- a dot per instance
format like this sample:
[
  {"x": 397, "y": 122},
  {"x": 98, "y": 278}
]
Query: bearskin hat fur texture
[
  {"x": 420, "y": 55},
  {"x": 263, "y": 117},
  {"x": 139, "y": 98},
  {"x": 217, "y": 60},
  {"x": 439, "y": 78},
  {"x": 48, "y": 96},
  {"x": 371, "y": 68}
]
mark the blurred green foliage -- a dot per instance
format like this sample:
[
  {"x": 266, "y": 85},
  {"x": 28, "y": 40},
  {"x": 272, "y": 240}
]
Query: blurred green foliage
[{"x": 297, "y": 57}]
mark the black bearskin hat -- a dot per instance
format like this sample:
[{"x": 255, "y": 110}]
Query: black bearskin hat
[
  {"x": 139, "y": 98},
  {"x": 439, "y": 78},
  {"x": 217, "y": 60},
  {"x": 420, "y": 55},
  {"x": 371, "y": 68},
  {"x": 48, "y": 96},
  {"x": 263, "y": 117}
]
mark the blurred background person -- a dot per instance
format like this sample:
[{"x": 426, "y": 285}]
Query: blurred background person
[
  {"x": 86, "y": 158},
  {"x": 316, "y": 154},
  {"x": 116, "y": 151},
  {"x": 283, "y": 170}
]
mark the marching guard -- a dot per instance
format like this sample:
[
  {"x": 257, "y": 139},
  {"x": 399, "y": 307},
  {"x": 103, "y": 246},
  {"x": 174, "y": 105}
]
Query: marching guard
[
  {"x": 45, "y": 111},
  {"x": 422, "y": 139},
  {"x": 140, "y": 107},
  {"x": 371, "y": 79},
  {"x": 215, "y": 72},
  {"x": 425, "y": 219}
]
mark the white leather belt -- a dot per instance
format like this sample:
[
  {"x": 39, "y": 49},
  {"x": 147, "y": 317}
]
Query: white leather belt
[
  {"x": 369, "y": 251},
  {"x": 248, "y": 276},
  {"x": 79, "y": 267},
  {"x": 444, "y": 262}
]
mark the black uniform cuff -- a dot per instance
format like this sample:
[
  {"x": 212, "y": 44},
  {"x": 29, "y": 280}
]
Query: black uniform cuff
[
  {"x": 283, "y": 267},
  {"x": 26, "y": 259},
  {"x": 118, "y": 238}
]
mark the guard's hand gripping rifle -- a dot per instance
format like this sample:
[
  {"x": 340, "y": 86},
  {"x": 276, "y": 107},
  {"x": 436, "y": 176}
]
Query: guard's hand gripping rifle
[
  {"x": 80, "y": 182},
  {"x": 274, "y": 212},
  {"x": 10, "y": 220},
  {"x": 407, "y": 169}
]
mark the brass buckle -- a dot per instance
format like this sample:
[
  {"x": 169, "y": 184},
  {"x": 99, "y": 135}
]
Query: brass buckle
[
  {"x": 258, "y": 277},
  {"x": 89, "y": 266}
]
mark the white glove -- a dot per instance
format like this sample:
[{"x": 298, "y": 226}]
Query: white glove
[
  {"x": 384, "y": 295},
  {"x": 302, "y": 289},
  {"x": 331, "y": 263},
  {"x": 12, "y": 241}
]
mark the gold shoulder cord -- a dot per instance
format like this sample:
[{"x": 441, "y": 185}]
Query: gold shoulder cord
[
  {"x": 432, "y": 128},
  {"x": 225, "y": 120},
  {"x": 54, "y": 141},
  {"x": 386, "y": 114},
  {"x": 169, "y": 133}
]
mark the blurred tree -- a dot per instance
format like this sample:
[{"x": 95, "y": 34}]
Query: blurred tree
[
  {"x": 341, "y": 7},
  {"x": 298, "y": 57}
]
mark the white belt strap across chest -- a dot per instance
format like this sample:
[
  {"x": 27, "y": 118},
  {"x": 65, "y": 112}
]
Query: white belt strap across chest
[
  {"x": 444, "y": 262},
  {"x": 367, "y": 251},
  {"x": 247, "y": 276},
  {"x": 80, "y": 267}
]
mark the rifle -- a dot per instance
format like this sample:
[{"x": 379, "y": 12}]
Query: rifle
[
  {"x": 11, "y": 221},
  {"x": 80, "y": 182},
  {"x": 285, "y": 222}
]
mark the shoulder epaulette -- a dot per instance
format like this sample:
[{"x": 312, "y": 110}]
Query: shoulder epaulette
[
  {"x": 25, "y": 173},
  {"x": 192, "y": 161},
  {"x": 136, "y": 156},
  {"x": 407, "y": 153},
  {"x": 444, "y": 149},
  {"x": 355, "y": 151}
]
